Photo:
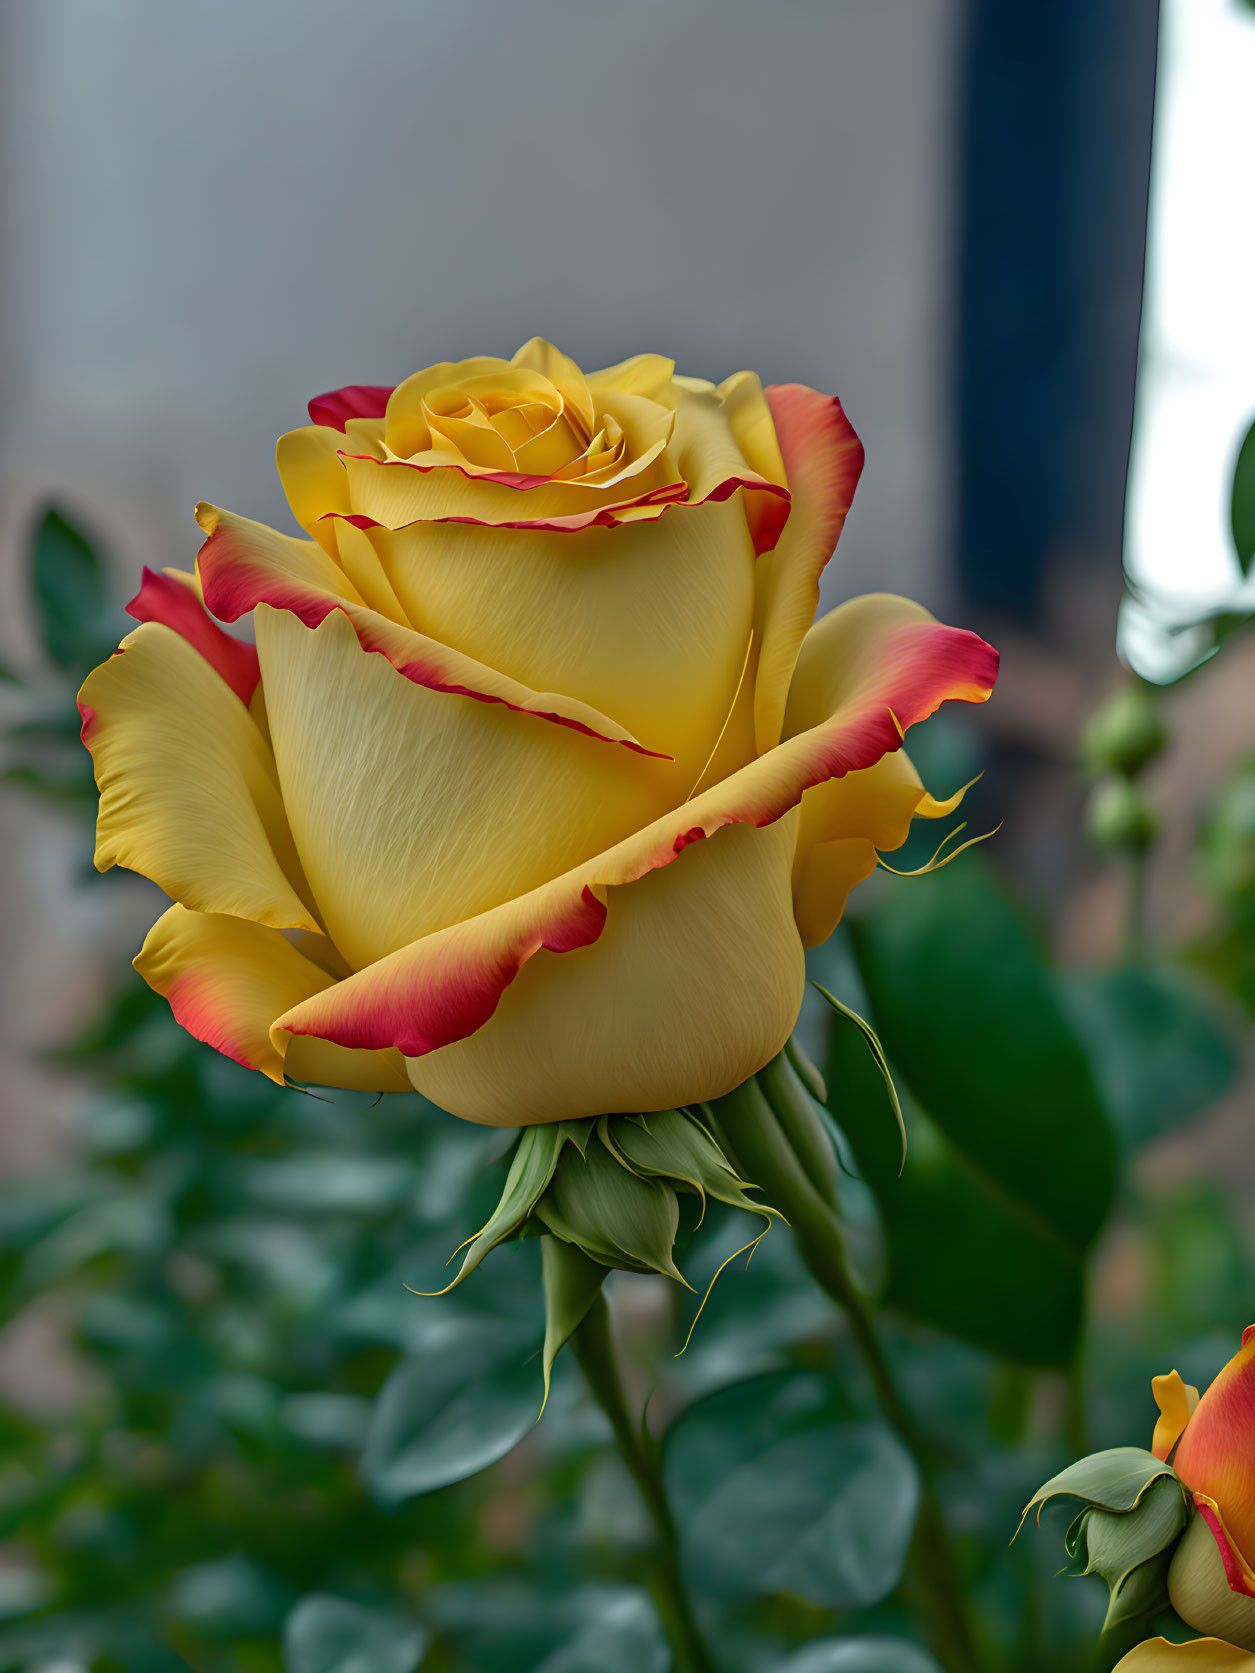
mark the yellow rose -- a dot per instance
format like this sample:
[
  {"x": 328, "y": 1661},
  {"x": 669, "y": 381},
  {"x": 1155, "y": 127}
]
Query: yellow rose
[{"x": 548, "y": 632}]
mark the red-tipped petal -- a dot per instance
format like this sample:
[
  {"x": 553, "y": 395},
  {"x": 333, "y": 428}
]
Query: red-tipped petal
[
  {"x": 243, "y": 564},
  {"x": 442, "y": 988},
  {"x": 171, "y": 600},
  {"x": 355, "y": 400},
  {"x": 823, "y": 458},
  {"x": 1216, "y": 1454}
]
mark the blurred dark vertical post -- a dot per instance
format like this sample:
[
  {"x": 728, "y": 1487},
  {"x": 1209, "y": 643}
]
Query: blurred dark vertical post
[{"x": 1056, "y": 161}]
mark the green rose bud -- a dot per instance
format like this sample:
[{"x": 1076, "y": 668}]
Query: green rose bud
[
  {"x": 1126, "y": 734},
  {"x": 1134, "y": 1512},
  {"x": 1120, "y": 819}
]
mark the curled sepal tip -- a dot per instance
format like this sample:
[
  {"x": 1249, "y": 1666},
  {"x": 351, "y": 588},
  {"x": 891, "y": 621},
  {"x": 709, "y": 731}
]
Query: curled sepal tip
[
  {"x": 531, "y": 1170},
  {"x": 878, "y": 1054}
]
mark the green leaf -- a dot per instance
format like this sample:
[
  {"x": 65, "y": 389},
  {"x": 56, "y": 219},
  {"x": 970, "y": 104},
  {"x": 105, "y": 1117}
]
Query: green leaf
[
  {"x": 860, "y": 1655},
  {"x": 1159, "y": 1053},
  {"x": 1243, "y": 505},
  {"x": 625, "y": 1637},
  {"x": 500, "y": 1626},
  {"x": 325, "y": 1634},
  {"x": 776, "y": 1488},
  {"x": 329, "y": 1182},
  {"x": 572, "y": 1283},
  {"x": 68, "y": 582},
  {"x": 229, "y": 1597},
  {"x": 460, "y": 1408},
  {"x": 1012, "y": 1165}
]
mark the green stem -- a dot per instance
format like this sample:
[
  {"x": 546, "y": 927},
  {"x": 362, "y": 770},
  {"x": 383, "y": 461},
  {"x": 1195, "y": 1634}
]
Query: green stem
[
  {"x": 746, "y": 1125},
  {"x": 593, "y": 1347}
]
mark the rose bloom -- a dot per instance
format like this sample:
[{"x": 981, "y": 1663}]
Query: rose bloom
[
  {"x": 538, "y": 778},
  {"x": 1212, "y": 1578}
]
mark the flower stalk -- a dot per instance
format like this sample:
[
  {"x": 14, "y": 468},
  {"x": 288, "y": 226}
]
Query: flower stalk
[
  {"x": 765, "y": 1146},
  {"x": 593, "y": 1346}
]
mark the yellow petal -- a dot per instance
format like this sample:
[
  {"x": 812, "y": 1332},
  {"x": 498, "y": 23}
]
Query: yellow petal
[
  {"x": 227, "y": 980},
  {"x": 845, "y": 824},
  {"x": 447, "y": 987},
  {"x": 406, "y": 431},
  {"x": 563, "y": 373},
  {"x": 242, "y": 561},
  {"x": 1176, "y": 1400},
  {"x": 695, "y": 982},
  {"x": 752, "y": 424},
  {"x": 822, "y": 457},
  {"x": 644, "y": 374},
  {"x": 1200, "y": 1655},
  {"x": 431, "y": 487},
  {"x": 312, "y": 472},
  {"x": 706, "y": 450},
  {"x": 647, "y": 622},
  {"x": 847, "y": 821},
  {"x": 188, "y": 794},
  {"x": 824, "y": 875},
  {"x": 360, "y": 563},
  {"x": 244, "y": 564},
  {"x": 413, "y": 809},
  {"x": 846, "y": 649}
]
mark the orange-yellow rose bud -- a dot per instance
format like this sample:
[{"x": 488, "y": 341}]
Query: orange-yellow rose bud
[{"x": 1212, "y": 1580}]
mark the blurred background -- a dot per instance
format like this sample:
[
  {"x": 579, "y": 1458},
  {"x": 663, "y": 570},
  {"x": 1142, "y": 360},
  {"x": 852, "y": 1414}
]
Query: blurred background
[{"x": 1012, "y": 240}]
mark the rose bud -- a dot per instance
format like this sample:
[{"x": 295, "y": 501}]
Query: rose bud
[
  {"x": 1211, "y": 1581},
  {"x": 1203, "y": 1567}
]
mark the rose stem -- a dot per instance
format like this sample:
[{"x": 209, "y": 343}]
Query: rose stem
[
  {"x": 593, "y": 1347},
  {"x": 752, "y": 1137}
]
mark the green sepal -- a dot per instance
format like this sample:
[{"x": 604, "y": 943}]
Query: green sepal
[
  {"x": 878, "y": 1054},
  {"x": 572, "y": 1283},
  {"x": 616, "y": 1216},
  {"x": 1113, "y": 1480},
  {"x": 806, "y": 1071},
  {"x": 531, "y": 1170},
  {"x": 1131, "y": 1549},
  {"x": 674, "y": 1145},
  {"x": 1135, "y": 1510},
  {"x": 802, "y": 1125}
]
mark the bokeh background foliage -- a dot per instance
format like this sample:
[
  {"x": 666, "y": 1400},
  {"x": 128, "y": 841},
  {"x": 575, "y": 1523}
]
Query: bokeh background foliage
[{"x": 273, "y": 1454}]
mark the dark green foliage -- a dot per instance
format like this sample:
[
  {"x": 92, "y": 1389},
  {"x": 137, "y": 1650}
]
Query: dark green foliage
[
  {"x": 1161, "y": 1048},
  {"x": 1242, "y": 512},
  {"x": 1010, "y": 1147},
  {"x": 68, "y": 582},
  {"x": 778, "y": 1487}
]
